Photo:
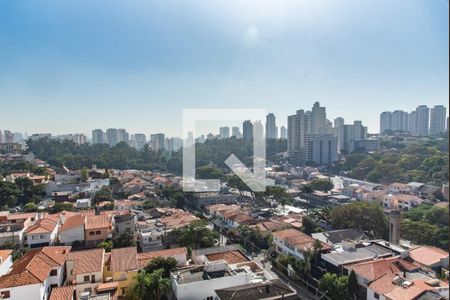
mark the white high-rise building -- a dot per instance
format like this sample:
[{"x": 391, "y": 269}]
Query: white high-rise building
[
  {"x": 271, "y": 127},
  {"x": 112, "y": 136},
  {"x": 123, "y": 136},
  {"x": 437, "y": 119},
  {"x": 353, "y": 132},
  {"x": 318, "y": 119},
  {"x": 236, "y": 132},
  {"x": 296, "y": 133},
  {"x": 423, "y": 120},
  {"x": 283, "y": 133},
  {"x": 247, "y": 131},
  {"x": 157, "y": 141},
  {"x": 339, "y": 133},
  {"x": 224, "y": 132},
  {"x": 399, "y": 121},
  {"x": 321, "y": 149},
  {"x": 385, "y": 121},
  {"x": 98, "y": 136},
  {"x": 412, "y": 123},
  {"x": 139, "y": 141}
]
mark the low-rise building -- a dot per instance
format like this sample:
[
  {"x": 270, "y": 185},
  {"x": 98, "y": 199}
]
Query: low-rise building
[
  {"x": 35, "y": 274},
  {"x": 97, "y": 229},
  {"x": 122, "y": 266},
  {"x": 125, "y": 223},
  {"x": 296, "y": 243},
  {"x": 72, "y": 230},
  {"x": 218, "y": 280},
  {"x": 85, "y": 270},
  {"x": 42, "y": 233},
  {"x": 431, "y": 257},
  {"x": 401, "y": 201},
  {"x": 336, "y": 237}
]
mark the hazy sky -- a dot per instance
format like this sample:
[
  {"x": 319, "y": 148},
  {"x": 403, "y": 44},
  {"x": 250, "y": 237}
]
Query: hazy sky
[{"x": 71, "y": 66}]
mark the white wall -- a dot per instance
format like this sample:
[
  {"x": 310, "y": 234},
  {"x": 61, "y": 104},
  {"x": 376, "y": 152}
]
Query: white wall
[
  {"x": 25, "y": 292},
  {"x": 74, "y": 234},
  {"x": 200, "y": 290},
  {"x": 6, "y": 265}
]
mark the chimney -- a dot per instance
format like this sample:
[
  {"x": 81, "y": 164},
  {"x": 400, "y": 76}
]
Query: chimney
[{"x": 394, "y": 227}]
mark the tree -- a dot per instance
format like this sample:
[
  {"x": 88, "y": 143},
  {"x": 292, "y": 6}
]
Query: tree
[
  {"x": 353, "y": 286},
  {"x": 104, "y": 194},
  {"x": 323, "y": 185},
  {"x": 309, "y": 226},
  {"x": 107, "y": 245},
  {"x": 30, "y": 207},
  {"x": 207, "y": 172},
  {"x": 84, "y": 174},
  {"x": 196, "y": 235},
  {"x": 9, "y": 192},
  {"x": 335, "y": 287},
  {"x": 123, "y": 240},
  {"x": 365, "y": 216},
  {"x": 307, "y": 190},
  {"x": 60, "y": 206},
  {"x": 149, "y": 286},
  {"x": 166, "y": 264}
]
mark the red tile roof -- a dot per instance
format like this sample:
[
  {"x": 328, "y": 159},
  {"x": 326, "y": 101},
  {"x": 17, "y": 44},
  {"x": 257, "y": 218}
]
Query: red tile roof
[
  {"x": 231, "y": 257},
  {"x": 87, "y": 261},
  {"x": 146, "y": 257},
  {"x": 73, "y": 222},
  {"x": 42, "y": 226},
  {"x": 35, "y": 266},
  {"x": 298, "y": 239},
  {"x": 427, "y": 255},
  {"x": 124, "y": 259},
  {"x": 63, "y": 293},
  {"x": 94, "y": 222}
]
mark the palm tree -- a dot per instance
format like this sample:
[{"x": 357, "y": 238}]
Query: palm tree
[
  {"x": 159, "y": 284},
  {"x": 151, "y": 286},
  {"x": 307, "y": 190}
]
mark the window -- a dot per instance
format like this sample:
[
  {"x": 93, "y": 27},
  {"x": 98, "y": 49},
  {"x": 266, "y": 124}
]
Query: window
[
  {"x": 5, "y": 295},
  {"x": 86, "y": 278},
  {"x": 124, "y": 290},
  {"x": 41, "y": 236},
  {"x": 91, "y": 233},
  {"x": 53, "y": 272},
  {"x": 209, "y": 298},
  {"x": 376, "y": 296},
  {"x": 98, "y": 232},
  {"x": 92, "y": 278}
]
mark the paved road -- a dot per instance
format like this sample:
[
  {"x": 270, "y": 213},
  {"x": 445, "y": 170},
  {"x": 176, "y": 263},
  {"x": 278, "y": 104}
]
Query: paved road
[{"x": 302, "y": 292}]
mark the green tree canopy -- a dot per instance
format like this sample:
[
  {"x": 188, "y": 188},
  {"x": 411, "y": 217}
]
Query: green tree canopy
[{"x": 368, "y": 217}]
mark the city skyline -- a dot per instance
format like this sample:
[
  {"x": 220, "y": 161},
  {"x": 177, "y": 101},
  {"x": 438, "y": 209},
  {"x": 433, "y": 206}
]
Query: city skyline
[{"x": 137, "y": 65}]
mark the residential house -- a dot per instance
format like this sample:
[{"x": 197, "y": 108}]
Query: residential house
[
  {"x": 401, "y": 201},
  {"x": 42, "y": 233},
  {"x": 97, "y": 229},
  {"x": 219, "y": 280},
  {"x": 231, "y": 254},
  {"x": 5, "y": 261},
  {"x": 431, "y": 257},
  {"x": 180, "y": 255},
  {"x": 63, "y": 293},
  {"x": 352, "y": 252},
  {"x": 206, "y": 199},
  {"x": 72, "y": 230},
  {"x": 85, "y": 270},
  {"x": 122, "y": 266},
  {"x": 335, "y": 237},
  {"x": 295, "y": 243},
  {"x": 34, "y": 275},
  {"x": 125, "y": 223}
]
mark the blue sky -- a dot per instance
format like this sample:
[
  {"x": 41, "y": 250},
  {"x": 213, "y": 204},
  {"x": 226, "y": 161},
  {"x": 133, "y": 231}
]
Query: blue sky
[{"x": 71, "y": 66}]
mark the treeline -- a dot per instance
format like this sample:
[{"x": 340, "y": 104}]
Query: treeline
[
  {"x": 122, "y": 156},
  {"x": 425, "y": 161}
]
